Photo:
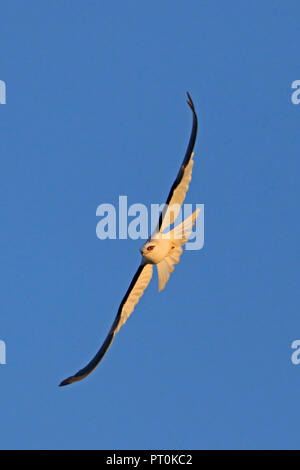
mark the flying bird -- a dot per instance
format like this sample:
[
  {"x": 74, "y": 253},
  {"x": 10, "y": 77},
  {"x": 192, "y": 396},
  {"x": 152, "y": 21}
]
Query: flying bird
[{"x": 163, "y": 249}]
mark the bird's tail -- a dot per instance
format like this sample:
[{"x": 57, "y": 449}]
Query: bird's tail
[
  {"x": 178, "y": 236},
  {"x": 181, "y": 233}
]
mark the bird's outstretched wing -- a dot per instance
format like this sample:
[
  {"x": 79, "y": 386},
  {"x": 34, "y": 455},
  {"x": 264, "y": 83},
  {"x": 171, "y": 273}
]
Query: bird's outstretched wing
[
  {"x": 136, "y": 289},
  {"x": 182, "y": 181}
]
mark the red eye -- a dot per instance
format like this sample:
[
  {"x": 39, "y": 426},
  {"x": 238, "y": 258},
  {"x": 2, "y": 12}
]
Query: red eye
[{"x": 150, "y": 248}]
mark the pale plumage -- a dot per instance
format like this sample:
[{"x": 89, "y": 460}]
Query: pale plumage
[
  {"x": 177, "y": 238},
  {"x": 162, "y": 249}
]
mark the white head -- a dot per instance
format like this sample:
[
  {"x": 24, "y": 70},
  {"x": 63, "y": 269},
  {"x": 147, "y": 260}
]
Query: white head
[{"x": 155, "y": 250}]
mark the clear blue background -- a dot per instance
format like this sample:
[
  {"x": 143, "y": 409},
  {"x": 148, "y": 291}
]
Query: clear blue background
[{"x": 96, "y": 109}]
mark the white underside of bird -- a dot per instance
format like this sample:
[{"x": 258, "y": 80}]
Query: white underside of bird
[{"x": 164, "y": 250}]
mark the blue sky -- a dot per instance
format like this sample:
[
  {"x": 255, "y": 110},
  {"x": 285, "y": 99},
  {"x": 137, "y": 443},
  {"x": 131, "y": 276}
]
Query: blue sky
[{"x": 96, "y": 109}]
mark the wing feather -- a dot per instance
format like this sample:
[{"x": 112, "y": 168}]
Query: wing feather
[
  {"x": 181, "y": 184},
  {"x": 135, "y": 294},
  {"x": 136, "y": 289}
]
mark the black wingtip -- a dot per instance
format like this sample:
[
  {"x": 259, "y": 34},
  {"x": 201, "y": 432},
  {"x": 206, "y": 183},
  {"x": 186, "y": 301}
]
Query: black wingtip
[
  {"x": 190, "y": 102},
  {"x": 65, "y": 382}
]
